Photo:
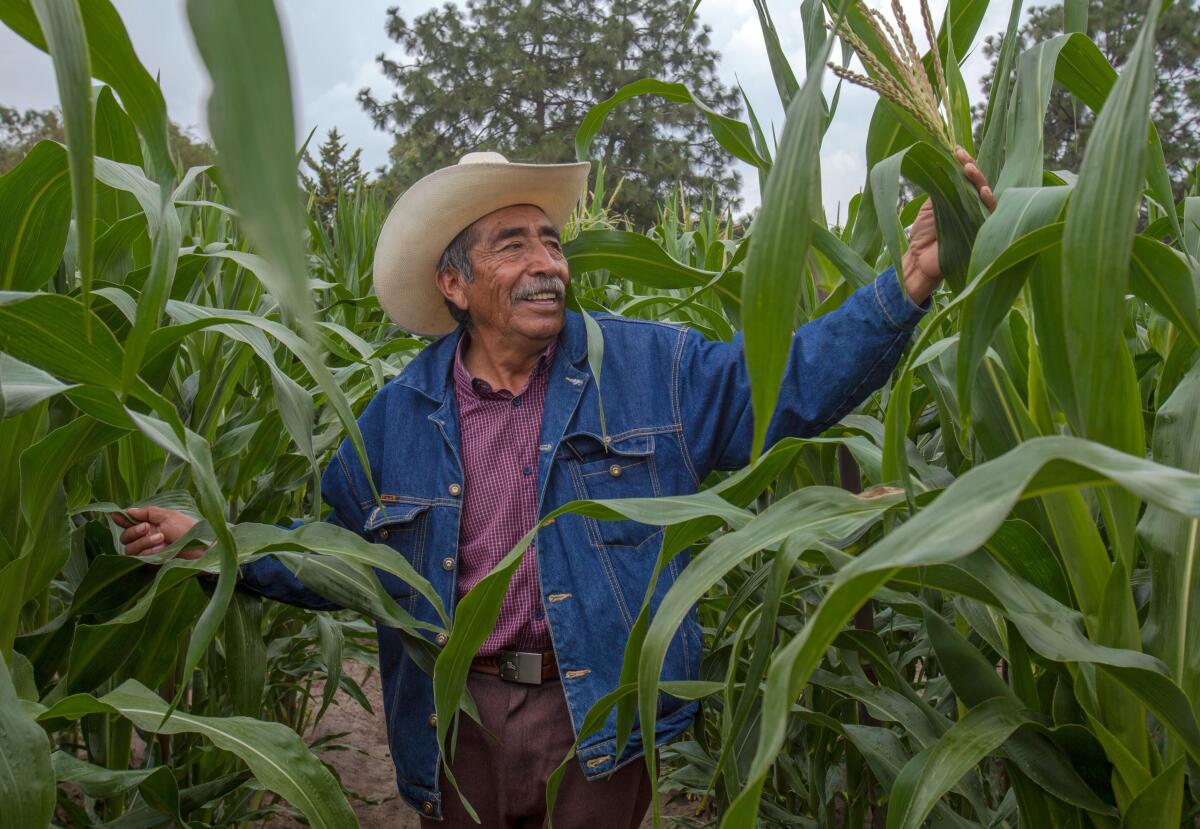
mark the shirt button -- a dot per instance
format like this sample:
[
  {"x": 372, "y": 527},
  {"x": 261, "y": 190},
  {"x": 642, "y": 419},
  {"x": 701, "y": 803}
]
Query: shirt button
[
  {"x": 448, "y": 563},
  {"x": 441, "y": 639},
  {"x": 539, "y": 615},
  {"x": 383, "y": 534},
  {"x": 615, "y": 470},
  {"x": 427, "y": 808},
  {"x": 526, "y": 471},
  {"x": 432, "y": 719},
  {"x": 516, "y": 402},
  {"x": 455, "y": 489}
]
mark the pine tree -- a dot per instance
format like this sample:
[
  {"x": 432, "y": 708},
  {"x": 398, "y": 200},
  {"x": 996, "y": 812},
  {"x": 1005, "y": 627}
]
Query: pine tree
[
  {"x": 336, "y": 173},
  {"x": 517, "y": 76}
]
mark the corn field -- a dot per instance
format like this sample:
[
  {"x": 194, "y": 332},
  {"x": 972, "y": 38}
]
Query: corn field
[{"x": 975, "y": 601}]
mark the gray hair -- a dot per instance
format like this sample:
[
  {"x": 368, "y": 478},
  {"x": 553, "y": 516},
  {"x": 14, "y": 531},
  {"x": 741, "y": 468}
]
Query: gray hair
[{"x": 457, "y": 257}]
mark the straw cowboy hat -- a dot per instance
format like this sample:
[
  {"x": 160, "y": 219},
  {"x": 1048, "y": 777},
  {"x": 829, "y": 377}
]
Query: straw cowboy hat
[{"x": 427, "y": 217}]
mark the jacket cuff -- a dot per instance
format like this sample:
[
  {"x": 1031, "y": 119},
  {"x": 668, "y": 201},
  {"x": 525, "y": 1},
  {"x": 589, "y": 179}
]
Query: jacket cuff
[{"x": 897, "y": 308}]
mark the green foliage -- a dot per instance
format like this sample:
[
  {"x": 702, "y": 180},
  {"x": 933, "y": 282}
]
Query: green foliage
[
  {"x": 1113, "y": 26},
  {"x": 21, "y": 131},
  {"x": 337, "y": 175},
  {"x": 192, "y": 393},
  {"x": 516, "y": 77}
]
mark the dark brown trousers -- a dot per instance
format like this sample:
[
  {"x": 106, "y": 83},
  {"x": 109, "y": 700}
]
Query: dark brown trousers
[{"x": 505, "y": 778}]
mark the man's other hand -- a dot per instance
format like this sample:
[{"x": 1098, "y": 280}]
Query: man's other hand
[
  {"x": 922, "y": 271},
  {"x": 153, "y": 530}
]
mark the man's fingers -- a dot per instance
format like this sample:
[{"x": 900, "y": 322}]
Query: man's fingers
[
  {"x": 134, "y": 533},
  {"x": 143, "y": 545},
  {"x": 976, "y": 177},
  {"x": 120, "y": 520},
  {"x": 139, "y": 513},
  {"x": 989, "y": 198}
]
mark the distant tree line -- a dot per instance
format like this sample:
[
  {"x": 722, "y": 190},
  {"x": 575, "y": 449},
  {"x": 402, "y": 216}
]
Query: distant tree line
[{"x": 21, "y": 129}]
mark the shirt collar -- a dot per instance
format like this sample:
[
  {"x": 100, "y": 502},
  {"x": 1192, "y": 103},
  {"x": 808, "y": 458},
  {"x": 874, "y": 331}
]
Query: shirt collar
[
  {"x": 431, "y": 372},
  {"x": 481, "y": 388}
]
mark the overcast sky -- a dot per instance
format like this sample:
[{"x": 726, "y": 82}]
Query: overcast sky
[{"x": 333, "y": 47}]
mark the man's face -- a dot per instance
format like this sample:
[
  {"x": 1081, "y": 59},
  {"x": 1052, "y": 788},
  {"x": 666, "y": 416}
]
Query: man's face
[{"x": 520, "y": 277}]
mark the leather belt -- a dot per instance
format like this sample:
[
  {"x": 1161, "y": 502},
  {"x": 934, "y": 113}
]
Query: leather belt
[{"x": 527, "y": 668}]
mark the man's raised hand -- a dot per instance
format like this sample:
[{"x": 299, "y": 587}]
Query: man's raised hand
[
  {"x": 922, "y": 271},
  {"x": 153, "y": 530}
]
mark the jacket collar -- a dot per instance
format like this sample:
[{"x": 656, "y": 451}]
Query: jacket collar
[{"x": 430, "y": 371}]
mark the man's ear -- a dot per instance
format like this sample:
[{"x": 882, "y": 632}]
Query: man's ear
[{"x": 453, "y": 287}]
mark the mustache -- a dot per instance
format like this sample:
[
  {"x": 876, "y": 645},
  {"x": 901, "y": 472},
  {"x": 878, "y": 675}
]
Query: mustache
[{"x": 540, "y": 285}]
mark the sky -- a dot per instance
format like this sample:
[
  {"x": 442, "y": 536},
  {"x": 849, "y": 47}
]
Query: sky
[{"x": 333, "y": 46}]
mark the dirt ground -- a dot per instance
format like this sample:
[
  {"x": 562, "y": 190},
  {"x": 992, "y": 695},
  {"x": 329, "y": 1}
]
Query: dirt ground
[{"x": 367, "y": 767}]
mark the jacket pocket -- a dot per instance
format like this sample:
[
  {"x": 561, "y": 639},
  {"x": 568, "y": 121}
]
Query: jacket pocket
[
  {"x": 400, "y": 525},
  {"x": 621, "y": 468}
]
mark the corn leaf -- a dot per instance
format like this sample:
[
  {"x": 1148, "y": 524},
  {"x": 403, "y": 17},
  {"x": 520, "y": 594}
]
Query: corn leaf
[
  {"x": 1020, "y": 212},
  {"x": 273, "y": 752},
  {"x": 26, "y": 778},
  {"x": 939, "y": 533},
  {"x": 62, "y": 23},
  {"x": 733, "y": 135},
  {"x": 781, "y": 70},
  {"x": 637, "y": 258},
  {"x": 1076, "y": 15},
  {"x": 932, "y": 772},
  {"x": 35, "y": 215},
  {"x": 775, "y": 269},
  {"x": 1160, "y": 275},
  {"x": 22, "y": 386},
  {"x": 253, "y": 127},
  {"x": 1172, "y": 545},
  {"x": 992, "y": 148},
  {"x": 1097, "y": 240}
]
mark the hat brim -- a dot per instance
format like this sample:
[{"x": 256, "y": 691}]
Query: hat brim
[{"x": 427, "y": 217}]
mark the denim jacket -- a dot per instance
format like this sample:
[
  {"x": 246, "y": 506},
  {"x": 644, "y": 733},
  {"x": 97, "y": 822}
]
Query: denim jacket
[{"x": 677, "y": 407}]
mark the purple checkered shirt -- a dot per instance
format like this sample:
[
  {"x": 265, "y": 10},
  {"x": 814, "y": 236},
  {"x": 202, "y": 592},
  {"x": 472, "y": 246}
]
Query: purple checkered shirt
[{"x": 500, "y": 432}]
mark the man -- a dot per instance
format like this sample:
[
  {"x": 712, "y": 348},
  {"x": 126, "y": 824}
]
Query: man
[{"x": 497, "y": 424}]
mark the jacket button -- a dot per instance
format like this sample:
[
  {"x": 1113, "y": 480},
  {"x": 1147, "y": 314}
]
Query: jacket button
[
  {"x": 615, "y": 470},
  {"x": 441, "y": 639},
  {"x": 427, "y": 808},
  {"x": 455, "y": 489},
  {"x": 448, "y": 563},
  {"x": 383, "y": 534},
  {"x": 433, "y": 720}
]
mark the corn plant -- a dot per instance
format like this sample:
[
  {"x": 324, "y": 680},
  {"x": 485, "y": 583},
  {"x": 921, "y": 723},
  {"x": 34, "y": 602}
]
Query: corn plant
[{"x": 183, "y": 338}]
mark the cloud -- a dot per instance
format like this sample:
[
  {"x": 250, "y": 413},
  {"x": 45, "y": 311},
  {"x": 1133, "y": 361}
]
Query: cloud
[{"x": 337, "y": 106}]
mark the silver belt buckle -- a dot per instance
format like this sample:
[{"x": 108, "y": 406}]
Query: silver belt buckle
[{"x": 522, "y": 667}]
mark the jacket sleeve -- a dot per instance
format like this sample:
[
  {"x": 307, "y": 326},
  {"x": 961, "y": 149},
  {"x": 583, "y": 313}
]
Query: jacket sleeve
[
  {"x": 270, "y": 578},
  {"x": 836, "y": 362}
]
